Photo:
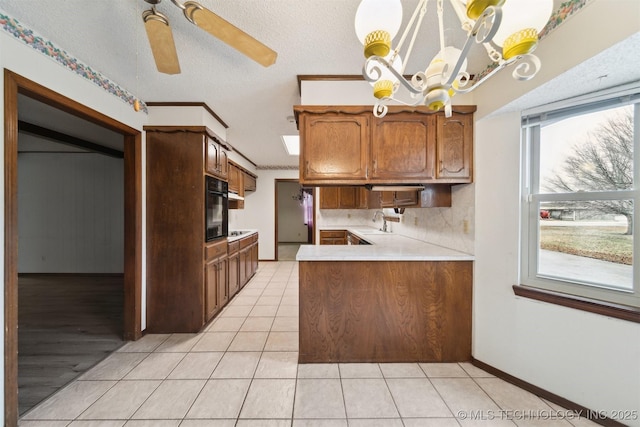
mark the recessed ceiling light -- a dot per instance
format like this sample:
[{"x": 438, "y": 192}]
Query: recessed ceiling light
[{"x": 291, "y": 144}]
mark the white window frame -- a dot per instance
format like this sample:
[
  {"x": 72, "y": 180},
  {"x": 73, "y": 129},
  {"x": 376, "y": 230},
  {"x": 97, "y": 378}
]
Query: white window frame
[{"x": 530, "y": 200}]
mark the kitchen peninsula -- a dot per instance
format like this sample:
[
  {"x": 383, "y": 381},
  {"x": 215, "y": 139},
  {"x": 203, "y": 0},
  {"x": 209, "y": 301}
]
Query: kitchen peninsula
[{"x": 395, "y": 300}]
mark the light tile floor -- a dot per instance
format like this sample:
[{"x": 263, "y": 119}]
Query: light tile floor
[{"x": 243, "y": 371}]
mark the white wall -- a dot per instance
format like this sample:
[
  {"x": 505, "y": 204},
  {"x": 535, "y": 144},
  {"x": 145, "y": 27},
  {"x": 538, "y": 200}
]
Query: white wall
[
  {"x": 24, "y": 60},
  {"x": 590, "y": 359},
  {"x": 70, "y": 213},
  {"x": 291, "y": 226}
]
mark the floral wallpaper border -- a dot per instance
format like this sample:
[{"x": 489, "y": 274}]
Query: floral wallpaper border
[
  {"x": 565, "y": 10},
  {"x": 13, "y": 27}
]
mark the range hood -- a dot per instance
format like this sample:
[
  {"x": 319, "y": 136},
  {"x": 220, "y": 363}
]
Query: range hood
[
  {"x": 234, "y": 196},
  {"x": 398, "y": 187}
]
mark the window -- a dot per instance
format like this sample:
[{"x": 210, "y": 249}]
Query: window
[{"x": 581, "y": 195}]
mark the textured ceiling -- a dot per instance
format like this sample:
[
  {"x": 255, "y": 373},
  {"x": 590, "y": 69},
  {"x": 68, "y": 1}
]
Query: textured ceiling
[{"x": 310, "y": 36}]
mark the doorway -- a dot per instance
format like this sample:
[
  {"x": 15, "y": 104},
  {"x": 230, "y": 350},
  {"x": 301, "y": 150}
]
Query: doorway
[
  {"x": 295, "y": 218},
  {"x": 15, "y": 86}
]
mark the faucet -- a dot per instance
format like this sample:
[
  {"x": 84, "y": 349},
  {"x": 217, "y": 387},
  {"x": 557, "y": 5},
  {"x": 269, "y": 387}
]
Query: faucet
[{"x": 384, "y": 220}]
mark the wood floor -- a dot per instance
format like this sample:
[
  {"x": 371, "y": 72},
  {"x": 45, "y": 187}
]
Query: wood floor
[{"x": 66, "y": 324}]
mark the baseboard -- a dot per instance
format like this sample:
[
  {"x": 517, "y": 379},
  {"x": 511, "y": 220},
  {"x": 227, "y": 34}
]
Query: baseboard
[{"x": 596, "y": 416}]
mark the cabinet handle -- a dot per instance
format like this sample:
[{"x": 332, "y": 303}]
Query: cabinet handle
[{"x": 442, "y": 168}]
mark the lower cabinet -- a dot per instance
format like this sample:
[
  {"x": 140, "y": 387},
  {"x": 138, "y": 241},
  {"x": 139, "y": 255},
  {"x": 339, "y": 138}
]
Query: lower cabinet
[
  {"x": 216, "y": 289},
  {"x": 333, "y": 237},
  {"x": 247, "y": 258},
  {"x": 234, "y": 265}
]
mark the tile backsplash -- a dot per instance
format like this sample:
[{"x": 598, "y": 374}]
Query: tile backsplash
[{"x": 449, "y": 227}]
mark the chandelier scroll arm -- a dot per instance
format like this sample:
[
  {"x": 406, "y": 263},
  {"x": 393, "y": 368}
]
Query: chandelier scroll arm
[
  {"x": 484, "y": 29},
  {"x": 372, "y": 72}
]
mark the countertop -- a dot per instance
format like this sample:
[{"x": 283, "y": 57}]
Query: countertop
[
  {"x": 244, "y": 234},
  {"x": 384, "y": 247}
]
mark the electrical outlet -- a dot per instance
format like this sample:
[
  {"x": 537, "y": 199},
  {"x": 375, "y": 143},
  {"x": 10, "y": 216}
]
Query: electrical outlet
[
  {"x": 348, "y": 215},
  {"x": 465, "y": 226}
]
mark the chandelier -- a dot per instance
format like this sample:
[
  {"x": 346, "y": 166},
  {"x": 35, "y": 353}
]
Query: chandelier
[{"x": 508, "y": 30}]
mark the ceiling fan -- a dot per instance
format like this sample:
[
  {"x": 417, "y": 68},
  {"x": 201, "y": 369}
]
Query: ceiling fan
[{"x": 164, "y": 48}]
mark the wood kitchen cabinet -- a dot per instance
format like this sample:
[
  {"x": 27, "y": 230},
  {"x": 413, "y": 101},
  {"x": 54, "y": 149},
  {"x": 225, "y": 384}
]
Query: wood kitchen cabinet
[
  {"x": 454, "y": 148},
  {"x": 182, "y": 277},
  {"x": 334, "y": 147},
  {"x": 347, "y": 145},
  {"x": 333, "y": 237},
  {"x": 233, "y": 262},
  {"x": 250, "y": 182},
  {"x": 240, "y": 182},
  {"x": 247, "y": 258},
  {"x": 216, "y": 160},
  {"x": 344, "y": 198},
  {"x": 402, "y": 147},
  {"x": 216, "y": 278}
]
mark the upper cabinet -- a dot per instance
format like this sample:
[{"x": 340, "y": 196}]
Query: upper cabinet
[
  {"x": 402, "y": 148},
  {"x": 454, "y": 147},
  {"x": 347, "y": 145},
  {"x": 335, "y": 148},
  {"x": 343, "y": 198},
  {"x": 241, "y": 181},
  {"x": 216, "y": 159}
]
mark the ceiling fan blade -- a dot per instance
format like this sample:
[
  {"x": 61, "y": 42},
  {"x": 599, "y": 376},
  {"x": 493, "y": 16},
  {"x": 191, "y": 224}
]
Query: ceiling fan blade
[
  {"x": 229, "y": 33},
  {"x": 161, "y": 41}
]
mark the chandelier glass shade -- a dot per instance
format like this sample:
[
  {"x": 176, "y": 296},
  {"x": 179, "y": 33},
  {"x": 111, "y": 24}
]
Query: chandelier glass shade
[{"x": 508, "y": 30}]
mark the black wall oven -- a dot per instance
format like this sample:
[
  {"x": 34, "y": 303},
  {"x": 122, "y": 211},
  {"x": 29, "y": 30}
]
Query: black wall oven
[{"x": 216, "y": 208}]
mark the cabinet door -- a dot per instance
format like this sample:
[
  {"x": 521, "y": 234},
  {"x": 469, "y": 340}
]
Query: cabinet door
[
  {"x": 234, "y": 274},
  {"x": 402, "y": 147},
  {"x": 244, "y": 260},
  {"x": 340, "y": 197},
  {"x": 455, "y": 147},
  {"x": 254, "y": 258},
  {"x": 333, "y": 237},
  {"x": 234, "y": 180},
  {"x": 333, "y": 147},
  {"x": 249, "y": 182},
  {"x": 329, "y": 198},
  {"x": 211, "y": 294},
  {"x": 223, "y": 282},
  {"x": 211, "y": 158},
  {"x": 223, "y": 163}
]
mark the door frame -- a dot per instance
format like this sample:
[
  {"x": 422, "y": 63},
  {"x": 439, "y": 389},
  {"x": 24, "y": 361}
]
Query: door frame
[
  {"x": 15, "y": 84},
  {"x": 313, "y": 198}
]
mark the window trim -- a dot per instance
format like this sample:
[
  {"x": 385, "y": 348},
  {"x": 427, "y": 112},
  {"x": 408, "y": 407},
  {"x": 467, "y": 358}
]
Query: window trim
[
  {"x": 617, "y": 311},
  {"x": 613, "y": 302}
]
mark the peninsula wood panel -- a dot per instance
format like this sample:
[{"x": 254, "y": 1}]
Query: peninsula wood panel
[{"x": 385, "y": 311}]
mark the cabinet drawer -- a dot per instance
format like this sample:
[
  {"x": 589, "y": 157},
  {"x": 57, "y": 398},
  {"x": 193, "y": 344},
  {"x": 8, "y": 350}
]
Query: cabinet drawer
[
  {"x": 247, "y": 241},
  {"x": 215, "y": 250},
  {"x": 333, "y": 233},
  {"x": 234, "y": 247}
]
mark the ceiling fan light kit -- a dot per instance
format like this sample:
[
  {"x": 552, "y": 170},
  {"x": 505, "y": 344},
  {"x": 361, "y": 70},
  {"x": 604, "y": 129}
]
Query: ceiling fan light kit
[
  {"x": 508, "y": 30},
  {"x": 163, "y": 47}
]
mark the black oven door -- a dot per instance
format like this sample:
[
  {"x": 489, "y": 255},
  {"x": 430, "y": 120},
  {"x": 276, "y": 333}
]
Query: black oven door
[{"x": 216, "y": 209}]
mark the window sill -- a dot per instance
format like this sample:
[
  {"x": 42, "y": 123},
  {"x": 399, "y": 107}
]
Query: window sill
[{"x": 618, "y": 311}]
